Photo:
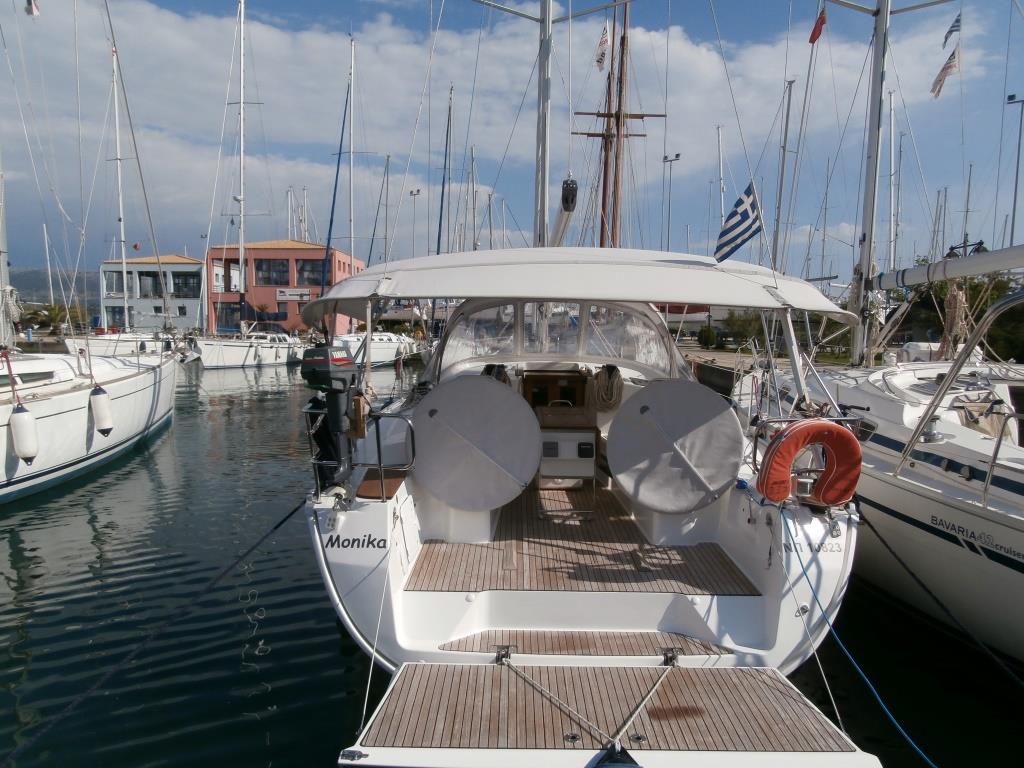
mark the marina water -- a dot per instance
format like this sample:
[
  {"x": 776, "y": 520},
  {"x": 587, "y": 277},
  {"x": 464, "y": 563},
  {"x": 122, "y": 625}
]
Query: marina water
[{"x": 258, "y": 671}]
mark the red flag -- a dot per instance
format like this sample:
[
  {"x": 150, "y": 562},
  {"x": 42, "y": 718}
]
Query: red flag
[{"x": 819, "y": 25}]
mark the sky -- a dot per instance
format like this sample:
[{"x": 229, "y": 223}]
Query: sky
[{"x": 57, "y": 123}]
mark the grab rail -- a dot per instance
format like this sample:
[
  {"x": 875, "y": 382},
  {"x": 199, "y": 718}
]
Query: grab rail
[
  {"x": 995, "y": 453},
  {"x": 973, "y": 340},
  {"x": 376, "y": 416}
]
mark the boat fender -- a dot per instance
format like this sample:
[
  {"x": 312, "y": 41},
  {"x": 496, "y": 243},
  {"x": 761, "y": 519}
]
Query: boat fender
[
  {"x": 838, "y": 480},
  {"x": 24, "y": 434},
  {"x": 399, "y": 363},
  {"x": 102, "y": 417}
]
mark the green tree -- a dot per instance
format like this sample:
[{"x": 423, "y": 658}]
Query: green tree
[{"x": 706, "y": 336}]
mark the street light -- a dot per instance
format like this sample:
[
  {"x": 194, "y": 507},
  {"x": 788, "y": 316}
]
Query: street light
[
  {"x": 414, "y": 193},
  {"x": 668, "y": 233},
  {"x": 1012, "y": 99}
]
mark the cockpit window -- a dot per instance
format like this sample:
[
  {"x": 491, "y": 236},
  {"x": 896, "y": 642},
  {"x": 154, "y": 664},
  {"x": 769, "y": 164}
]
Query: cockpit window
[
  {"x": 484, "y": 333},
  {"x": 551, "y": 328},
  {"x": 619, "y": 333}
]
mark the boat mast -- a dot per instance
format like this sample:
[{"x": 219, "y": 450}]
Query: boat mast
[
  {"x": 783, "y": 150},
  {"x": 860, "y": 300},
  {"x": 620, "y": 127},
  {"x": 351, "y": 158},
  {"x": 241, "y": 166},
  {"x": 126, "y": 322},
  {"x": 6, "y": 322},
  {"x": 721, "y": 182},
  {"x": 892, "y": 186},
  {"x": 540, "y": 185}
]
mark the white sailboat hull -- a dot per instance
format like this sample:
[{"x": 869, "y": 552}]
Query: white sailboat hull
[
  {"x": 971, "y": 561},
  {"x": 114, "y": 344},
  {"x": 247, "y": 353},
  {"x": 141, "y": 394}
]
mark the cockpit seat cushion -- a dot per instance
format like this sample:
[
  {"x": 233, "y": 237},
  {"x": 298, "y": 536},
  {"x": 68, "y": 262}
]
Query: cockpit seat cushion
[{"x": 675, "y": 446}]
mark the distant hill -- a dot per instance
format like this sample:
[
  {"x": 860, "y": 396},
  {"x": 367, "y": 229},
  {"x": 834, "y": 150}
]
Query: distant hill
[{"x": 33, "y": 288}]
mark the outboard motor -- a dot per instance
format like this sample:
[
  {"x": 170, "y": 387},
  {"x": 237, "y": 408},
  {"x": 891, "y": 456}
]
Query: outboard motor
[{"x": 330, "y": 371}]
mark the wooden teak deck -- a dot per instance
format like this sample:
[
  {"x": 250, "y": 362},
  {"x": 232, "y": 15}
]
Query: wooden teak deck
[
  {"x": 455, "y": 706},
  {"x": 543, "y": 543}
]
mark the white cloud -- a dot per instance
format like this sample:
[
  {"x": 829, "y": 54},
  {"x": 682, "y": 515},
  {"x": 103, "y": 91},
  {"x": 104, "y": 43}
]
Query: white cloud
[{"x": 176, "y": 69}]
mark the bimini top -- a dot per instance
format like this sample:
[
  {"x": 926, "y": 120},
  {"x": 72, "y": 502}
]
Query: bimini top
[{"x": 586, "y": 274}]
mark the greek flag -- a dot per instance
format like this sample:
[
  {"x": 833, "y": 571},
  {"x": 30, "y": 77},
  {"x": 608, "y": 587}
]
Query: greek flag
[
  {"x": 953, "y": 29},
  {"x": 742, "y": 223}
]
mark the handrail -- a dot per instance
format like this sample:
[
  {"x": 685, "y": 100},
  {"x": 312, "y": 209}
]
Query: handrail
[
  {"x": 973, "y": 340},
  {"x": 995, "y": 454},
  {"x": 376, "y": 417}
]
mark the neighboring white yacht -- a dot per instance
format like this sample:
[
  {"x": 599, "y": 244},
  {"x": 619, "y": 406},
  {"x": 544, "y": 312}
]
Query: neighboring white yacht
[
  {"x": 63, "y": 415},
  {"x": 565, "y": 528},
  {"x": 260, "y": 345},
  {"x": 120, "y": 343},
  {"x": 385, "y": 347},
  {"x": 942, "y": 482}
]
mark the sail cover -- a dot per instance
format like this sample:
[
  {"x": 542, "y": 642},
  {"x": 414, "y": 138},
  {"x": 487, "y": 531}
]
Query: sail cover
[
  {"x": 675, "y": 446},
  {"x": 478, "y": 443}
]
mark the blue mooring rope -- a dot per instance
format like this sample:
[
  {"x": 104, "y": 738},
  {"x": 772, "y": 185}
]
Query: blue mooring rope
[{"x": 874, "y": 691}]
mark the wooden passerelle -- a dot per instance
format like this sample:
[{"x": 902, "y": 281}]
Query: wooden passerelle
[
  {"x": 543, "y": 543},
  {"x": 490, "y": 706}
]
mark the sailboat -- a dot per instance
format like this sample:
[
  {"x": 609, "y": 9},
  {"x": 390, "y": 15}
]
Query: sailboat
[
  {"x": 126, "y": 340},
  {"x": 62, "y": 415},
  {"x": 255, "y": 344},
  {"x": 562, "y": 545},
  {"x": 943, "y": 472}
]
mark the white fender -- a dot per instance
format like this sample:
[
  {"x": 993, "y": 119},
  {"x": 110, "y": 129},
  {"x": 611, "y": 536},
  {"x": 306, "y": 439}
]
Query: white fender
[
  {"x": 24, "y": 434},
  {"x": 102, "y": 417}
]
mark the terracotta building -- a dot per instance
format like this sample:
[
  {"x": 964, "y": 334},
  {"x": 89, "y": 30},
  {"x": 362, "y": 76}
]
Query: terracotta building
[{"x": 282, "y": 276}]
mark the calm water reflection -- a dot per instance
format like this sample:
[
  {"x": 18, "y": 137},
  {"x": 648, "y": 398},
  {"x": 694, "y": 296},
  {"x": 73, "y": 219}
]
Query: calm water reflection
[{"x": 258, "y": 672}]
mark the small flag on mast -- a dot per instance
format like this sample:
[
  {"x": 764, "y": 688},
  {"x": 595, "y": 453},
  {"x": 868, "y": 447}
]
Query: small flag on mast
[
  {"x": 953, "y": 29},
  {"x": 952, "y": 65},
  {"x": 31, "y": 8},
  {"x": 602, "y": 49},
  {"x": 819, "y": 25},
  {"x": 742, "y": 223}
]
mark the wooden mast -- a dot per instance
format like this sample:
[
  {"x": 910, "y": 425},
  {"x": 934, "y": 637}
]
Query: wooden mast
[{"x": 614, "y": 133}]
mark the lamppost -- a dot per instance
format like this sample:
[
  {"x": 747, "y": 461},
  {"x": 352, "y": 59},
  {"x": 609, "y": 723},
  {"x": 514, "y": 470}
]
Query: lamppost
[
  {"x": 414, "y": 193},
  {"x": 1012, "y": 99},
  {"x": 668, "y": 233}
]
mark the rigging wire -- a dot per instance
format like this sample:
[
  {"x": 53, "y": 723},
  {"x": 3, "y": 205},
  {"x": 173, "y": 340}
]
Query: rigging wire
[
  {"x": 204, "y": 320},
  {"x": 416, "y": 125}
]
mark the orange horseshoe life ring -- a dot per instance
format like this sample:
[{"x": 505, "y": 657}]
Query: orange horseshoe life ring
[{"x": 837, "y": 482}]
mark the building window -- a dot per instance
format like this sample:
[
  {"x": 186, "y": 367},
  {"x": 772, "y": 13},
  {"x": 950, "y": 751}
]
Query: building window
[
  {"x": 185, "y": 285},
  {"x": 308, "y": 271},
  {"x": 182, "y": 311},
  {"x": 113, "y": 283},
  {"x": 158, "y": 310},
  {"x": 271, "y": 271},
  {"x": 115, "y": 317},
  {"x": 150, "y": 286},
  {"x": 282, "y": 308}
]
